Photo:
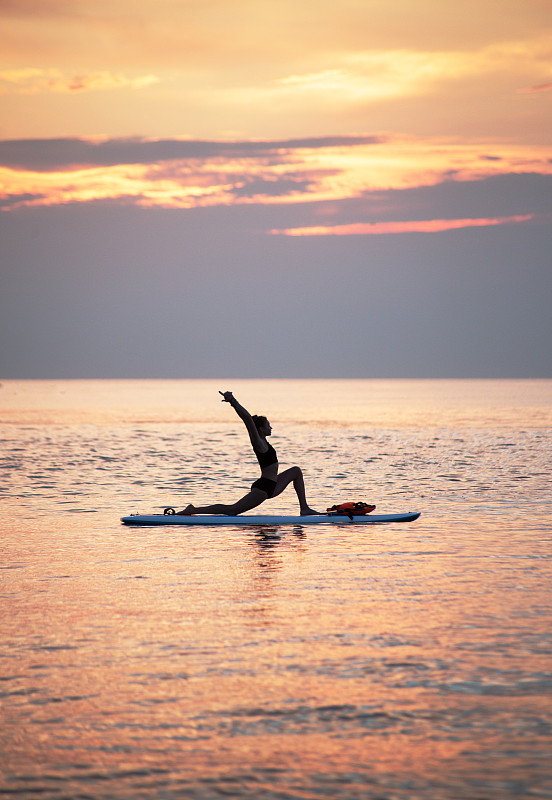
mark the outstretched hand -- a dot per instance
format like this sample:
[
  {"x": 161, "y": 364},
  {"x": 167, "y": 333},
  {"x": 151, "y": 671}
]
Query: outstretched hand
[{"x": 227, "y": 397}]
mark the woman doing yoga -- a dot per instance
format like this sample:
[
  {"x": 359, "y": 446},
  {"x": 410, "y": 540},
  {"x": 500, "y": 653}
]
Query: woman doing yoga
[{"x": 271, "y": 483}]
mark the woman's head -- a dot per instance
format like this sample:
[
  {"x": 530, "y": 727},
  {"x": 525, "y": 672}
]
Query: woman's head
[{"x": 262, "y": 424}]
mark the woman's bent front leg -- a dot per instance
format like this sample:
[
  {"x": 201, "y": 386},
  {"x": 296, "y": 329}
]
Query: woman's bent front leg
[{"x": 295, "y": 475}]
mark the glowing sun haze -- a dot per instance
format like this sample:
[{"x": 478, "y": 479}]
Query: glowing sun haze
[{"x": 302, "y": 120}]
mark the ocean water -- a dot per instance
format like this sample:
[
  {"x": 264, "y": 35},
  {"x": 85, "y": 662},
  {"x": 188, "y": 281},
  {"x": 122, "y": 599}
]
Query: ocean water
[{"x": 391, "y": 662}]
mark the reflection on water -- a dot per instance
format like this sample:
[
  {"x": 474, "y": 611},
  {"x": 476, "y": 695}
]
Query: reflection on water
[{"x": 404, "y": 661}]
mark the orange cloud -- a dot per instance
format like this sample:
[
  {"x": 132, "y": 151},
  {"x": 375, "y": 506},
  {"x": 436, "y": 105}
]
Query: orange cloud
[
  {"x": 409, "y": 226},
  {"x": 180, "y": 173}
]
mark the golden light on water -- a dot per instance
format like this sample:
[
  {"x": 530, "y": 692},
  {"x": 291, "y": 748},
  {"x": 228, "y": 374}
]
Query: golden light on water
[
  {"x": 417, "y": 404},
  {"x": 351, "y": 662}
]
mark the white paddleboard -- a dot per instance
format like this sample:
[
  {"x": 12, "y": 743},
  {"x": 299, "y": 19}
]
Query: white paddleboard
[{"x": 266, "y": 519}]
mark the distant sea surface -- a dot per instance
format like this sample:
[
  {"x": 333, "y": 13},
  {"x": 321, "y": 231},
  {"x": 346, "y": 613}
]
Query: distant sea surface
[{"x": 390, "y": 662}]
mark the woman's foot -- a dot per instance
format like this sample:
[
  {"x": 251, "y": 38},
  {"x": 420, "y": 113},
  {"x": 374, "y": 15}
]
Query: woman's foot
[
  {"x": 309, "y": 512},
  {"x": 187, "y": 512}
]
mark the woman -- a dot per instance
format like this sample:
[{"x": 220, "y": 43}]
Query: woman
[{"x": 270, "y": 484}]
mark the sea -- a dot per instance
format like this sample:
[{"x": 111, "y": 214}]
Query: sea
[{"x": 407, "y": 661}]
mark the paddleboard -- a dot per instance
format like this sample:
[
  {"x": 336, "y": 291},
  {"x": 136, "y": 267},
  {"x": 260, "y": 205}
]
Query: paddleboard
[{"x": 267, "y": 519}]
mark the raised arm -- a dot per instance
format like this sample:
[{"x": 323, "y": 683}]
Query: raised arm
[{"x": 246, "y": 417}]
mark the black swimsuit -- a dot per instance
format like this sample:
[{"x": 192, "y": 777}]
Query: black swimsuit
[
  {"x": 268, "y": 458},
  {"x": 266, "y": 485}
]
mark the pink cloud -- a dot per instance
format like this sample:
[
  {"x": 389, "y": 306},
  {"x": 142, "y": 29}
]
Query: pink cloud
[
  {"x": 539, "y": 87},
  {"x": 409, "y": 226}
]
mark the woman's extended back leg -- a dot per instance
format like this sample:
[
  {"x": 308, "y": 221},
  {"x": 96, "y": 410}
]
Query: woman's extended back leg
[{"x": 251, "y": 500}]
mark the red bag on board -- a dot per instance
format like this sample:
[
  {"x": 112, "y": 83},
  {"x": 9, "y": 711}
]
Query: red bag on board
[{"x": 351, "y": 509}]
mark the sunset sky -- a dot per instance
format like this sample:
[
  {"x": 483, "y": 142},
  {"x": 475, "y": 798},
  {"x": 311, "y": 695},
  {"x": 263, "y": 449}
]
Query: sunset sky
[{"x": 206, "y": 188}]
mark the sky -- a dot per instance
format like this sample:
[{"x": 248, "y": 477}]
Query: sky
[{"x": 204, "y": 188}]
